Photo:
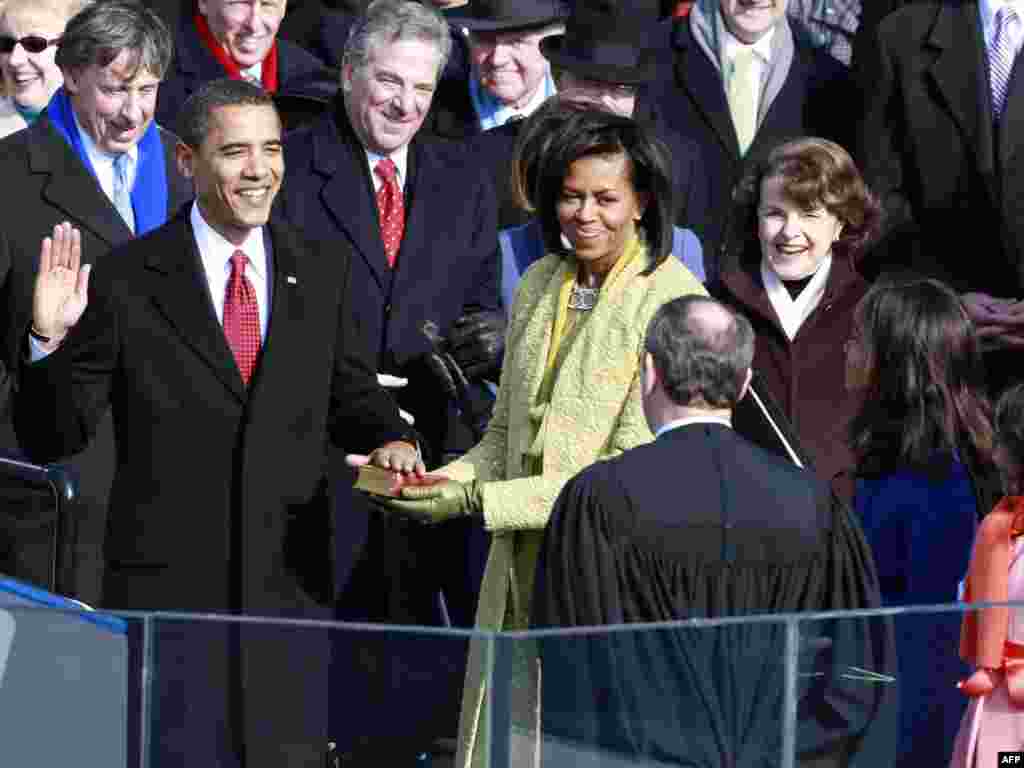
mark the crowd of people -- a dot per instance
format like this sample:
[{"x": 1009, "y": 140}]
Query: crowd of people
[{"x": 690, "y": 309}]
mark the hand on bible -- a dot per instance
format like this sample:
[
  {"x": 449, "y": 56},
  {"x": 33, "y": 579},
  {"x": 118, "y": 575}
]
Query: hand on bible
[
  {"x": 398, "y": 456},
  {"x": 437, "y": 503},
  {"x": 62, "y": 285}
]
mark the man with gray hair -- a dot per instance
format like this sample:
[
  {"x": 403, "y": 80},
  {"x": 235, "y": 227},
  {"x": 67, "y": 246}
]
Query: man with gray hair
[
  {"x": 95, "y": 158},
  {"x": 699, "y": 523},
  {"x": 421, "y": 220}
]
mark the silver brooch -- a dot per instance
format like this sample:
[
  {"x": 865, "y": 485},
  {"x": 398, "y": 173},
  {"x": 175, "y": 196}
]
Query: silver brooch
[{"x": 583, "y": 298}]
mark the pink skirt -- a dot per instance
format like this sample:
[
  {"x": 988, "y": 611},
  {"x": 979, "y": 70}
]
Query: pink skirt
[{"x": 991, "y": 724}]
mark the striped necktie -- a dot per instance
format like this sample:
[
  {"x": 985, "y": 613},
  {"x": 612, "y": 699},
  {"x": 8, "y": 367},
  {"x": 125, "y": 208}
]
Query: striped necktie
[
  {"x": 1001, "y": 54},
  {"x": 123, "y": 190}
]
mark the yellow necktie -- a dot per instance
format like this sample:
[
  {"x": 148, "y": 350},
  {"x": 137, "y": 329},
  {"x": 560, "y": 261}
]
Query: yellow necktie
[{"x": 741, "y": 92}]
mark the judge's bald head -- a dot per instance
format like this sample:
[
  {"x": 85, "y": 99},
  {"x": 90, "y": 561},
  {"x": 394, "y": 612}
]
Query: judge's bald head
[{"x": 701, "y": 353}]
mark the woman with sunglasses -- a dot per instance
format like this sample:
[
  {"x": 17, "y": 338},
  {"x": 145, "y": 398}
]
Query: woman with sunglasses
[{"x": 29, "y": 33}]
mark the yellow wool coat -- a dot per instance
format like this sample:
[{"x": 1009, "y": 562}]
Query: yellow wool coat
[{"x": 594, "y": 413}]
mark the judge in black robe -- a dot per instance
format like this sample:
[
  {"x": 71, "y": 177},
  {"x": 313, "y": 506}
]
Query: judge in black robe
[{"x": 702, "y": 523}]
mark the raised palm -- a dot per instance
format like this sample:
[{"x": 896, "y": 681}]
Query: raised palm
[{"x": 62, "y": 284}]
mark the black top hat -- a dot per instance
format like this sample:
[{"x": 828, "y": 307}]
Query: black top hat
[
  {"x": 604, "y": 40},
  {"x": 498, "y": 15}
]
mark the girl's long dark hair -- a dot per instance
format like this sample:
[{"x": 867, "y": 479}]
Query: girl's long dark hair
[{"x": 925, "y": 402}]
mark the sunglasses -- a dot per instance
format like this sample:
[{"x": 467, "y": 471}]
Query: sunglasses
[{"x": 31, "y": 43}]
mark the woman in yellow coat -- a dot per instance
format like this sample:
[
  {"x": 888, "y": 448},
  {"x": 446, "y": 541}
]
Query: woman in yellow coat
[{"x": 569, "y": 392}]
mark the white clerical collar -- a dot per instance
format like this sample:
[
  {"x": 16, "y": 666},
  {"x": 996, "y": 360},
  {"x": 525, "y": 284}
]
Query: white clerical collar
[
  {"x": 215, "y": 250},
  {"x": 400, "y": 157},
  {"x": 733, "y": 45},
  {"x": 691, "y": 420},
  {"x": 792, "y": 312}
]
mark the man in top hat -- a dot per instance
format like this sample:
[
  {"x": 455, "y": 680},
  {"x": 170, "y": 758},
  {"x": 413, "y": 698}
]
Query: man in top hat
[
  {"x": 739, "y": 82},
  {"x": 508, "y": 78},
  {"x": 239, "y": 39}
]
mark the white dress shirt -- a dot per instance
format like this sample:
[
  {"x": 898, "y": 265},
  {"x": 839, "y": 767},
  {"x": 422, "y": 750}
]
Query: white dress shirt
[
  {"x": 691, "y": 420},
  {"x": 506, "y": 112},
  {"x": 215, "y": 253},
  {"x": 762, "y": 49},
  {"x": 987, "y": 9},
  {"x": 400, "y": 157},
  {"x": 103, "y": 163},
  {"x": 254, "y": 74}
]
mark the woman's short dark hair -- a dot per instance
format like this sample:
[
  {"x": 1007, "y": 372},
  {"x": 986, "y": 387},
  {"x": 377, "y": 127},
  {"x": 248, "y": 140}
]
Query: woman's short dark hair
[
  {"x": 925, "y": 400},
  {"x": 562, "y": 132},
  {"x": 815, "y": 172}
]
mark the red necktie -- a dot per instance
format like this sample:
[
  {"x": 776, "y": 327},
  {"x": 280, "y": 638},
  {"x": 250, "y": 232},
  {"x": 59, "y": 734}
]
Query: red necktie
[
  {"x": 242, "y": 317},
  {"x": 390, "y": 208}
]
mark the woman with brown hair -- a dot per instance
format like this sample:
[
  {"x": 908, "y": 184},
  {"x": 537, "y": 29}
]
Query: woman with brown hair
[{"x": 806, "y": 215}]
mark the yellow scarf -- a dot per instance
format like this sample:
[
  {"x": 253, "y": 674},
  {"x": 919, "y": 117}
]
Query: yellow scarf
[{"x": 634, "y": 248}]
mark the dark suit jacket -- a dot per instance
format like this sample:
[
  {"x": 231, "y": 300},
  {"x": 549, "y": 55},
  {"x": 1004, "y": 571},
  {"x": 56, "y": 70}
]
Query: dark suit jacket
[
  {"x": 392, "y": 570},
  {"x": 48, "y": 185},
  {"x": 236, "y": 521},
  {"x": 452, "y": 115},
  {"x": 448, "y": 262},
  {"x": 736, "y": 531},
  {"x": 298, "y": 72},
  {"x": 689, "y": 99},
  {"x": 951, "y": 181}
]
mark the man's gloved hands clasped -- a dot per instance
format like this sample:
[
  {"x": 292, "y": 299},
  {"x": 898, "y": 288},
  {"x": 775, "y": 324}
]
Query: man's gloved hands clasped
[
  {"x": 476, "y": 342},
  {"x": 437, "y": 503}
]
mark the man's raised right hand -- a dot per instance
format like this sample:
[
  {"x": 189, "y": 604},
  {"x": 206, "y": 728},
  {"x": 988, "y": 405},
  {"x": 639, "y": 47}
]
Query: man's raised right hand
[{"x": 62, "y": 286}]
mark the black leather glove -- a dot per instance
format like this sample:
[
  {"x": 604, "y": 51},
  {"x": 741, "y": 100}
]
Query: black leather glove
[
  {"x": 476, "y": 342},
  {"x": 475, "y": 406}
]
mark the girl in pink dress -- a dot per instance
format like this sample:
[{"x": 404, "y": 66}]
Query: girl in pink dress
[{"x": 993, "y": 639}]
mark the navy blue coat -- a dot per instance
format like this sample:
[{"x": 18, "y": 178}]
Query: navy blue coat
[
  {"x": 391, "y": 570},
  {"x": 920, "y": 529},
  {"x": 298, "y": 72},
  {"x": 448, "y": 263},
  {"x": 689, "y": 99}
]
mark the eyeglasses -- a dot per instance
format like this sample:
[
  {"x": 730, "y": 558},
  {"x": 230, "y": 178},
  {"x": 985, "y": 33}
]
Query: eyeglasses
[{"x": 31, "y": 43}]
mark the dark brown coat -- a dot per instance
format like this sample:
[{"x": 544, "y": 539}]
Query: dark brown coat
[{"x": 806, "y": 377}]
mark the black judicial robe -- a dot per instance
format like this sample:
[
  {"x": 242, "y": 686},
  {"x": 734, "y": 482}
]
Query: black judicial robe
[{"x": 703, "y": 523}]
